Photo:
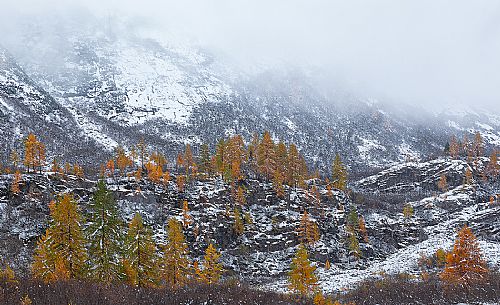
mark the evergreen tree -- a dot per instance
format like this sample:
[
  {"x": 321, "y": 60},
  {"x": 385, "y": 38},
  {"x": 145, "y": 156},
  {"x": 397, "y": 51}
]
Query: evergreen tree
[
  {"x": 212, "y": 269},
  {"x": 339, "y": 174},
  {"x": 302, "y": 278},
  {"x": 140, "y": 262},
  {"x": 295, "y": 174},
  {"x": 104, "y": 235},
  {"x": 175, "y": 268},
  {"x": 61, "y": 253},
  {"x": 464, "y": 265},
  {"x": 205, "y": 166}
]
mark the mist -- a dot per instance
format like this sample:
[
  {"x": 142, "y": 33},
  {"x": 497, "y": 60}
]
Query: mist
[{"x": 431, "y": 53}]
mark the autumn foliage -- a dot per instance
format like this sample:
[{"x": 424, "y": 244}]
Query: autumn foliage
[{"x": 464, "y": 265}]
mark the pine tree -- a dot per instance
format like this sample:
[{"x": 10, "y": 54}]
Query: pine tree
[
  {"x": 175, "y": 268},
  {"x": 104, "y": 235},
  {"x": 212, "y": 269},
  {"x": 464, "y": 265},
  {"x": 188, "y": 161},
  {"x": 140, "y": 262},
  {"x": 142, "y": 152},
  {"x": 302, "y": 278},
  {"x": 295, "y": 175},
  {"x": 339, "y": 174},
  {"x": 354, "y": 244},
  {"x": 307, "y": 231},
  {"x": 205, "y": 166},
  {"x": 14, "y": 188},
  {"x": 61, "y": 253},
  {"x": 442, "y": 183}
]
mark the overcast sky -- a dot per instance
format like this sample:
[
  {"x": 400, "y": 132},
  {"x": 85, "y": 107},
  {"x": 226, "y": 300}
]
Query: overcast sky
[{"x": 423, "y": 51}]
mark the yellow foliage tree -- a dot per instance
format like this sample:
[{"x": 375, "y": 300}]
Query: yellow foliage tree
[
  {"x": 302, "y": 278},
  {"x": 175, "y": 268},
  {"x": 14, "y": 188},
  {"x": 60, "y": 253},
  {"x": 212, "y": 269},
  {"x": 464, "y": 265},
  {"x": 307, "y": 231}
]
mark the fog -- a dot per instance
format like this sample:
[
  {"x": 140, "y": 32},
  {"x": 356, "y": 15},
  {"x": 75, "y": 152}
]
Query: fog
[{"x": 427, "y": 52}]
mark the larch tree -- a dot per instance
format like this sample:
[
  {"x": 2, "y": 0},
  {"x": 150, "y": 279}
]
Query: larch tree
[
  {"x": 454, "y": 147},
  {"x": 104, "y": 236},
  {"x": 465, "y": 265},
  {"x": 61, "y": 252},
  {"x": 278, "y": 180},
  {"x": 175, "y": 263},
  {"x": 468, "y": 179},
  {"x": 307, "y": 230},
  {"x": 266, "y": 156},
  {"x": 186, "y": 218},
  {"x": 302, "y": 278},
  {"x": 238, "y": 225},
  {"x": 14, "y": 188},
  {"x": 212, "y": 268},
  {"x": 140, "y": 259},
  {"x": 34, "y": 153},
  {"x": 14, "y": 159},
  {"x": 478, "y": 144},
  {"x": 442, "y": 183},
  {"x": 339, "y": 174},
  {"x": 493, "y": 169},
  {"x": 295, "y": 176},
  {"x": 188, "y": 161}
]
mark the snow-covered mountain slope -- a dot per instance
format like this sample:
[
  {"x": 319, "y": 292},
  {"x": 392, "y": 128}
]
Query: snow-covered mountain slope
[{"x": 119, "y": 86}]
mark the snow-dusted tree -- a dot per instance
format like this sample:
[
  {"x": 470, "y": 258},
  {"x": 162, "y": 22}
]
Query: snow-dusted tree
[
  {"x": 307, "y": 231},
  {"x": 188, "y": 161},
  {"x": 142, "y": 152},
  {"x": 205, "y": 166},
  {"x": 278, "y": 180},
  {"x": 478, "y": 145},
  {"x": 61, "y": 253},
  {"x": 442, "y": 183},
  {"x": 454, "y": 147},
  {"x": 104, "y": 236},
  {"x": 186, "y": 218},
  {"x": 122, "y": 160},
  {"x": 212, "y": 268},
  {"x": 339, "y": 174},
  {"x": 302, "y": 278},
  {"x": 14, "y": 188},
  {"x": 468, "y": 179},
  {"x": 266, "y": 156},
  {"x": 408, "y": 211},
  {"x": 464, "y": 265},
  {"x": 176, "y": 266},
  {"x": 295, "y": 174},
  {"x": 238, "y": 225},
  {"x": 140, "y": 259},
  {"x": 34, "y": 153}
]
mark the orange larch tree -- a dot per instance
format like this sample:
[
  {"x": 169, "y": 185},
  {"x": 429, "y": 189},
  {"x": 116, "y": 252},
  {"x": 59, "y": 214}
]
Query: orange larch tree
[{"x": 465, "y": 265}]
